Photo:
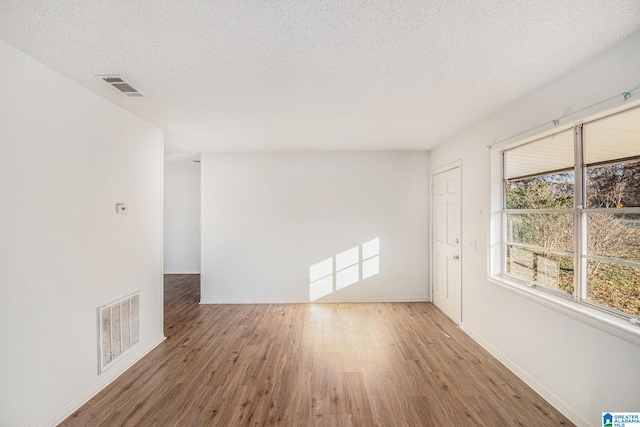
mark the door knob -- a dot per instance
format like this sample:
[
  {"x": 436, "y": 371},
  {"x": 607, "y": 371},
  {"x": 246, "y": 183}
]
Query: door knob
[{"x": 456, "y": 257}]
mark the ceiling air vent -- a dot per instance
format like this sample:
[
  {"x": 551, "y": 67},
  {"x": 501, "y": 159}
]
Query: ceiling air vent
[{"x": 121, "y": 86}]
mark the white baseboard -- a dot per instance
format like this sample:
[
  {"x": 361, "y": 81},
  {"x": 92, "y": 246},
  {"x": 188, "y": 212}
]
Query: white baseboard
[
  {"x": 105, "y": 379},
  {"x": 546, "y": 394},
  {"x": 373, "y": 299},
  {"x": 183, "y": 272},
  {"x": 321, "y": 301}
]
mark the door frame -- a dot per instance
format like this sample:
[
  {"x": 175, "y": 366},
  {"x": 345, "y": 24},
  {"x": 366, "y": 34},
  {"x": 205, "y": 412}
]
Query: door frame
[{"x": 444, "y": 168}]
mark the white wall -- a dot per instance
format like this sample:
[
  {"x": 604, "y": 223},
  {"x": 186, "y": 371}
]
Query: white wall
[
  {"x": 181, "y": 222},
  {"x": 67, "y": 158},
  {"x": 580, "y": 369},
  {"x": 268, "y": 217}
]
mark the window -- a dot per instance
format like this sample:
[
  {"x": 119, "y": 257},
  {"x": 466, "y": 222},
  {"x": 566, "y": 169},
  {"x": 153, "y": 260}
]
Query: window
[{"x": 571, "y": 214}]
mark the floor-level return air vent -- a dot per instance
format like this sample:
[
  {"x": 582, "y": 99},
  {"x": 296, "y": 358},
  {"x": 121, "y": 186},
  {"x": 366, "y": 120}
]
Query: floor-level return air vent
[{"x": 118, "y": 329}]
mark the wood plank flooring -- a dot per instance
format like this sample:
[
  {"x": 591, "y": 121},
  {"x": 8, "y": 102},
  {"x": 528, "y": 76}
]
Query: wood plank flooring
[{"x": 387, "y": 364}]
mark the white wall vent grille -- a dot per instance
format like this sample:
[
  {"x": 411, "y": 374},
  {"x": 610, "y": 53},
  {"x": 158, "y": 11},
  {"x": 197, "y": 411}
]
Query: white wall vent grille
[{"x": 118, "y": 329}]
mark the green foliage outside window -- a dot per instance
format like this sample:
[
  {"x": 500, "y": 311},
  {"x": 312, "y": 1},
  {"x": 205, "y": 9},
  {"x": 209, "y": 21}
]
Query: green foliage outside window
[{"x": 614, "y": 236}]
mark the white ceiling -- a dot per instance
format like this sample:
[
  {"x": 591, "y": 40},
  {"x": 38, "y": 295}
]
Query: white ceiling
[{"x": 315, "y": 75}]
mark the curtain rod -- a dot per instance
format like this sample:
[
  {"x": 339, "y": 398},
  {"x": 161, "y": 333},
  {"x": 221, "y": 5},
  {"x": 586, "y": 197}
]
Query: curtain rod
[{"x": 620, "y": 99}]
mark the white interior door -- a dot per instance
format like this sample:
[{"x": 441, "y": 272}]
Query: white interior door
[{"x": 446, "y": 265}]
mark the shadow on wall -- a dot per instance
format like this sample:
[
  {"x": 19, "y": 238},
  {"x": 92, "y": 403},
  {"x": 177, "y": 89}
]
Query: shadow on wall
[{"x": 344, "y": 269}]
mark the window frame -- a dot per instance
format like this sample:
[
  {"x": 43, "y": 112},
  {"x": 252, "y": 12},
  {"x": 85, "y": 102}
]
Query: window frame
[
  {"x": 577, "y": 305},
  {"x": 505, "y": 243}
]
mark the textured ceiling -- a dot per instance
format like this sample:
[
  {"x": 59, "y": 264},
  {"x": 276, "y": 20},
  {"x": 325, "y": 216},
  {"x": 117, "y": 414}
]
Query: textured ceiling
[{"x": 315, "y": 75}]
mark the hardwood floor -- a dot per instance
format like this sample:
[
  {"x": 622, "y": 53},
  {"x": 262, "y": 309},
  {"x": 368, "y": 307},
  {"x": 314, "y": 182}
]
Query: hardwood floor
[{"x": 387, "y": 364}]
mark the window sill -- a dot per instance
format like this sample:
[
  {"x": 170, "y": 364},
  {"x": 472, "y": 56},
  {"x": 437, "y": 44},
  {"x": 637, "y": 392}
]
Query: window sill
[{"x": 605, "y": 322}]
